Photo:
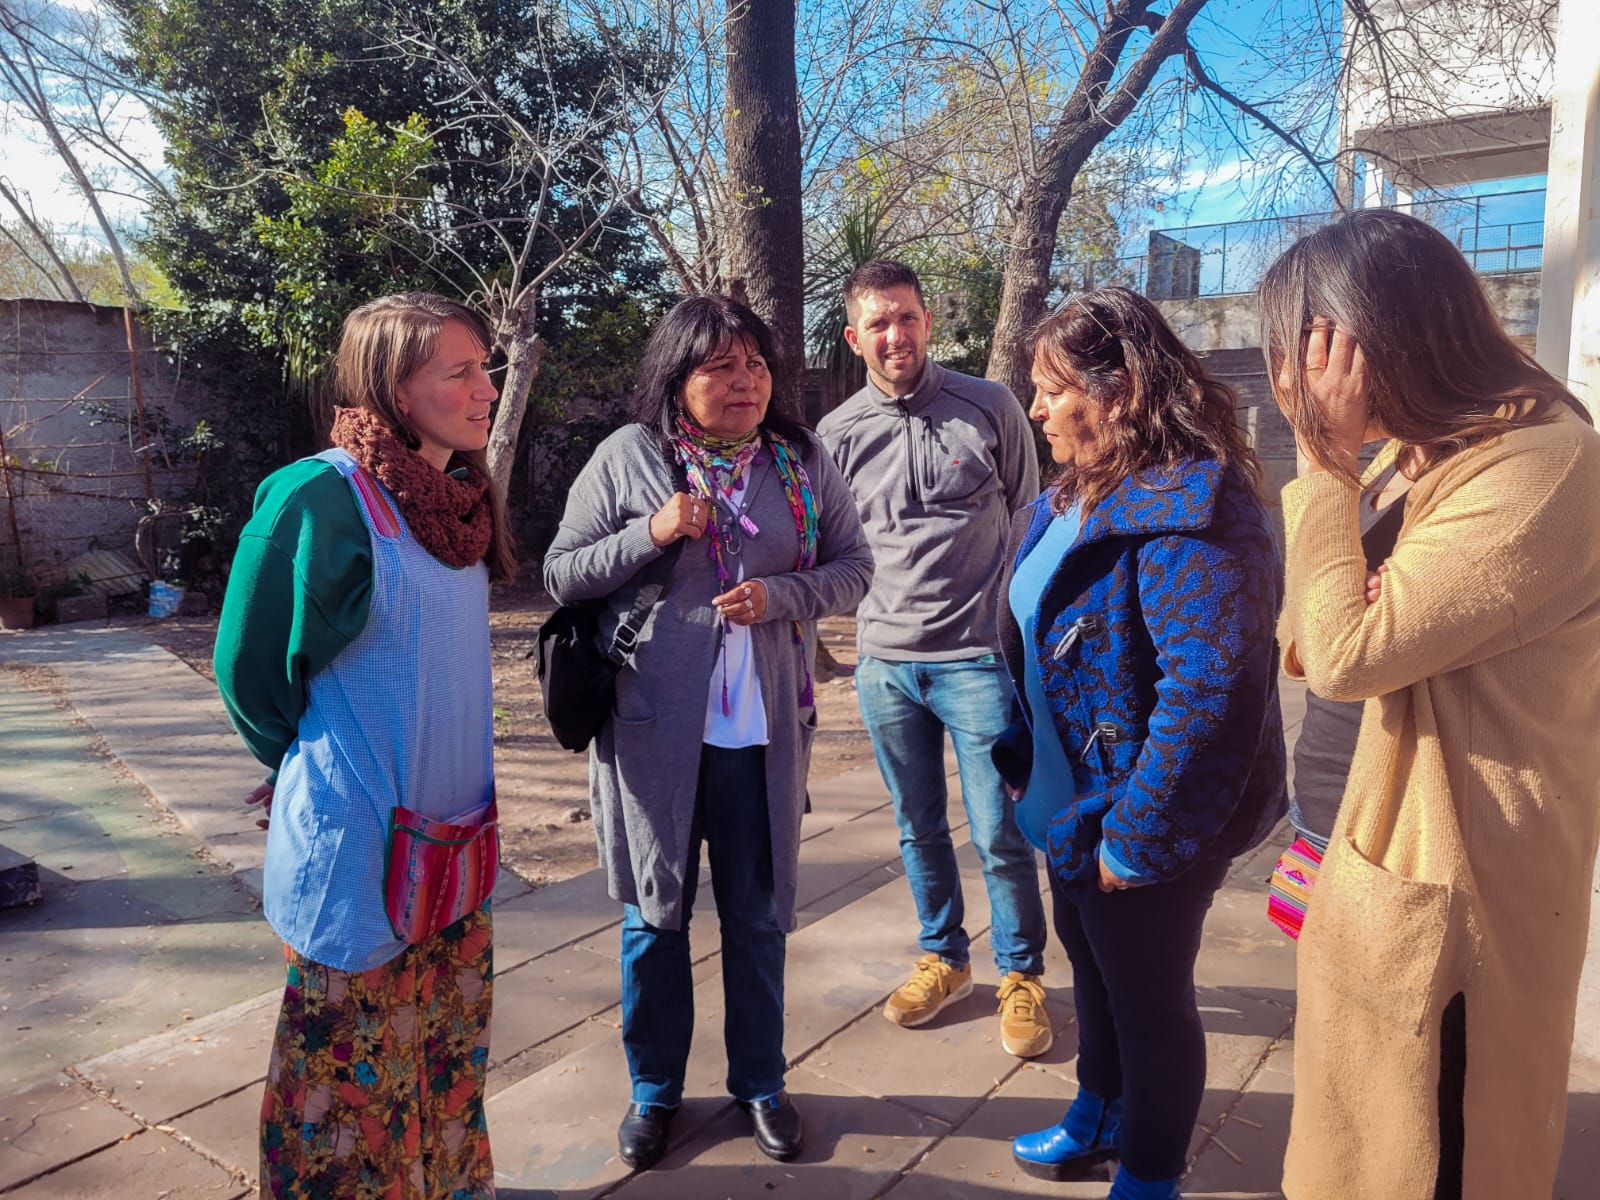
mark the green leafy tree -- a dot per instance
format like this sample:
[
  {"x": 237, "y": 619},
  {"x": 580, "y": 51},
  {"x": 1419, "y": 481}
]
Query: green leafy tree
[{"x": 326, "y": 151}]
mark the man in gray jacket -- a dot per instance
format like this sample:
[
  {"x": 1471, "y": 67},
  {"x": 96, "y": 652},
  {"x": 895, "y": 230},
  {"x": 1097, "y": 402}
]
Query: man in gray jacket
[{"x": 938, "y": 461}]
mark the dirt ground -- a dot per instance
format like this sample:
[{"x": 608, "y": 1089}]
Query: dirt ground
[{"x": 543, "y": 789}]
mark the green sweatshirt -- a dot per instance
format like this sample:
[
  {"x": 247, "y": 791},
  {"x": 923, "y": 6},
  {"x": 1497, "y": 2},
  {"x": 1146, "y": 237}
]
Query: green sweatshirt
[{"x": 298, "y": 594}]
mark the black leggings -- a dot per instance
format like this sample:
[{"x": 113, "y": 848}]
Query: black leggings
[
  {"x": 1452, "y": 1099},
  {"x": 1139, "y": 1031}
]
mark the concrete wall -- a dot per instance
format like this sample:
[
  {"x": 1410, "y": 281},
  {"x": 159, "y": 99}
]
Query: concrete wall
[
  {"x": 78, "y": 482},
  {"x": 1232, "y": 322}
]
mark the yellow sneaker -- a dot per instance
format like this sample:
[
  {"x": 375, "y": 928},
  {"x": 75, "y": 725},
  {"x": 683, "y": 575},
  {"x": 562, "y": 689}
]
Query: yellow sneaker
[
  {"x": 1024, "y": 1024},
  {"x": 934, "y": 986}
]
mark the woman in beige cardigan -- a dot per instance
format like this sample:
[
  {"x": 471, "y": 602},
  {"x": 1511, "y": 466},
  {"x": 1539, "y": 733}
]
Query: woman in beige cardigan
[{"x": 1439, "y": 966}]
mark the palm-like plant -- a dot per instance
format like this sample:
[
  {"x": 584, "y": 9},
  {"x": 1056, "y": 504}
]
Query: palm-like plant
[{"x": 863, "y": 235}]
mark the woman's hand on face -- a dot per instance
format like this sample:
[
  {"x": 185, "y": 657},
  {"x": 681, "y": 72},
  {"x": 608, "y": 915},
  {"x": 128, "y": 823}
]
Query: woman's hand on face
[
  {"x": 681, "y": 516},
  {"x": 743, "y": 605},
  {"x": 1336, "y": 377},
  {"x": 262, "y": 796}
]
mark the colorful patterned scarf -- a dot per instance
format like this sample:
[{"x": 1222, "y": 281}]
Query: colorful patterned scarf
[{"x": 714, "y": 466}]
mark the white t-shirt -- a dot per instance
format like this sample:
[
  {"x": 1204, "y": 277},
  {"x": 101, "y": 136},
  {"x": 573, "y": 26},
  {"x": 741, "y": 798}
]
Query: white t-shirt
[{"x": 746, "y": 721}]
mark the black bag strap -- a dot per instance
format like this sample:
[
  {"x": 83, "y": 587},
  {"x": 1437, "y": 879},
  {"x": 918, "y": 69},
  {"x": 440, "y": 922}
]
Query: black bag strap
[{"x": 656, "y": 577}]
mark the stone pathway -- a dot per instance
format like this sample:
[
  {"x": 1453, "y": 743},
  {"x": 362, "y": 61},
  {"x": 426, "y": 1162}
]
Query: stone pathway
[{"x": 170, "y": 1112}]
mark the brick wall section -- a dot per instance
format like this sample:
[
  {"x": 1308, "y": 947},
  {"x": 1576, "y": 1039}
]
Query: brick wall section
[{"x": 79, "y": 485}]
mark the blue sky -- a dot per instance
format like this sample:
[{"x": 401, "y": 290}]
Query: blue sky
[
  {"x": 1226, "y": 182},
  {"x": 1223, "y": 167}
]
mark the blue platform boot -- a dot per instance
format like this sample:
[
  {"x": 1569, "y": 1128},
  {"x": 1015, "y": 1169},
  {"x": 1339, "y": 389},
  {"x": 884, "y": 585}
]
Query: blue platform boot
[
  {"x": 1127, "y": 1187},
  {"x": 1087, "y": 1136}
]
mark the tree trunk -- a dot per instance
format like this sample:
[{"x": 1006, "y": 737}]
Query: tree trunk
[
  {"x": 514, "y": 334},
  {"x": 1091, "y": 113},
  {"x": 761, "y": 126},
  {"x": 1026, "y": 282}
]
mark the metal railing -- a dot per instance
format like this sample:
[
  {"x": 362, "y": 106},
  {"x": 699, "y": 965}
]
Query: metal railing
[{"x": 1496, "y": 233}]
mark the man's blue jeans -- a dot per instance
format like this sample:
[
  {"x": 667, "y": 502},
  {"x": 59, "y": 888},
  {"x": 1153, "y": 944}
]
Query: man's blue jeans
[
  {"x": 907, "y": 706},
  {"x": 657, "y": 987}
]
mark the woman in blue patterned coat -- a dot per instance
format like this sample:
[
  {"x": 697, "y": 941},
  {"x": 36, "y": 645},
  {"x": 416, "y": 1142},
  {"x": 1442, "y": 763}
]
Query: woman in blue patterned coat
[{"x": 1142, "y": 594}]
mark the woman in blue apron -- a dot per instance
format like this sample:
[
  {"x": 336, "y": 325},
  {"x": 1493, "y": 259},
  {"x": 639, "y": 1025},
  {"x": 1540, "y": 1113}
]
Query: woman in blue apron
[{"x": 353, "y": 656}]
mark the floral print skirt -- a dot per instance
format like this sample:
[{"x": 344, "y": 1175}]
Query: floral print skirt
[{"x": 375, "y": 1085}]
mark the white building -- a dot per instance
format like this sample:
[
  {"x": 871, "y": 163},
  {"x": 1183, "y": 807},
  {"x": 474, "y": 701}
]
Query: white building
[{"x": 1439, "y": 93}]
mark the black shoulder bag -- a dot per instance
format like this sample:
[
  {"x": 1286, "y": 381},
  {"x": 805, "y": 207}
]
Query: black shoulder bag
[{"x": 576, "y": 679}]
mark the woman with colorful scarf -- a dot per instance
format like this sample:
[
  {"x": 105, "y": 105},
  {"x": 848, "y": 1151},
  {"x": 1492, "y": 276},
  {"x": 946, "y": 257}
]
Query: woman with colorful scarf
[
  {"x": 353, "y": 656},
  {"x": 710, "y": 739}
]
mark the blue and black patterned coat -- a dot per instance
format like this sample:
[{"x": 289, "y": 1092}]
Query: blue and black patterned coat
[{"x": 1161, "y": 670}]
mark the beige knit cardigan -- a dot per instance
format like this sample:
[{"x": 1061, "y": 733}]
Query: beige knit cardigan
[{"x": 1462, "y": 856}]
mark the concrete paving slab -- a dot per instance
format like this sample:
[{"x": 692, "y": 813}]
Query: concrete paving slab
[
  {"x": 1579, "y": 1175},
  {"x": 184, "y": 1068},
  {"x": 844, "y": 796},
  {"x": 164, "y": 721},
  {"x": 974, "y": 1162},
  {"x": 547, "y": 918},
  {"x": 229, "y": 1132},
  {"x": 1240, "y": 1152},
  {"x": 1240, "y": 1028},
  {"x": 864, "y": 885},
  {"x": 1243, "y": 950},
  {"x": 543, "y": 998},
  {"x": 943, "y": 1068},
  {"x": 826, "y": 868},
  {"x": 147, "y": 1164},
  {"x": 507, "y": 1073},
  {"x": 838, "y": 968},
  {"x": 873, "y": 836},
  {"x": 508, "y": 885},
  {"x": 855, "y": 1146},
  {"x": 554, "y": 1134},
  {"x": 52, "y": 1123},
  {"x": 136, "y": 926}
]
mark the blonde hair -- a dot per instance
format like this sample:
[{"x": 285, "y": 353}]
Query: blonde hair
[{"x": 381, "y": 345}]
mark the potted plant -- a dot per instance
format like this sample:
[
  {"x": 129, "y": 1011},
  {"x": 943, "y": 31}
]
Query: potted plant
[{"x": 17, "y": 591}]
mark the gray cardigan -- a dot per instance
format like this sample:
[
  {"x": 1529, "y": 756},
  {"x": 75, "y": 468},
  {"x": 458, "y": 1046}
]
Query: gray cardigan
[{"x": 644, "y": 766}]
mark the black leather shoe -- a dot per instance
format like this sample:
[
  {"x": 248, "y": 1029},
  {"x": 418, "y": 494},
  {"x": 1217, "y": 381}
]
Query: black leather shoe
[
  {"x": 642, "y": 1136},
  {"x": 777, "y": 1125}
]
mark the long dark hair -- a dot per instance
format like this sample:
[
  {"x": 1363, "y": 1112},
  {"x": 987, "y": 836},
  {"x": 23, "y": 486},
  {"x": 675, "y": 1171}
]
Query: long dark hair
[
  {"x": 381, "y": 345},
  {"x": 1443, "y": 374},
  {"x": 695, "y": 331},
  {"x": 1117, "y": 347}
]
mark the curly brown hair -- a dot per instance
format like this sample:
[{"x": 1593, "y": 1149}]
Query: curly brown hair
[{"x": 1162, "y": 408}]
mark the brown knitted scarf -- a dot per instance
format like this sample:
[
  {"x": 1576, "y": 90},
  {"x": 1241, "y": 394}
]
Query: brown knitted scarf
[{"x": 449, "y": 516}]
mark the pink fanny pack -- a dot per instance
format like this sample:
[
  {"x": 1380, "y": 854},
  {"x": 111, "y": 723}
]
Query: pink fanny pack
[{"x": 437, "y": 872}]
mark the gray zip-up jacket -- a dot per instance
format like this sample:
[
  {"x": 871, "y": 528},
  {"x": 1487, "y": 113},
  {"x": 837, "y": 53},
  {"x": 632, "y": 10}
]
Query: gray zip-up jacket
[{"x": 936, "y": 476}]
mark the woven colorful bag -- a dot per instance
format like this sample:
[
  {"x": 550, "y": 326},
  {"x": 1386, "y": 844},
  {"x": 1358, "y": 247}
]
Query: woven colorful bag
[
  {"x": 437, "y": 873},
  {"x": 1290, "y": 890}
]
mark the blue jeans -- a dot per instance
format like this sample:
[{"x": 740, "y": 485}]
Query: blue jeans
[
  {"x": 730, "y": 816},
  {"x": 907, "y": 706}
]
